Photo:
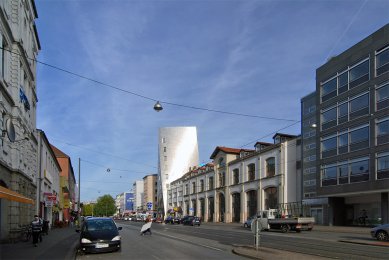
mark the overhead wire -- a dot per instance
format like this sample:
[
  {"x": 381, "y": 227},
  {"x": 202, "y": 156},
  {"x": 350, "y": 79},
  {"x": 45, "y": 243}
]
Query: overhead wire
[{"x": 146, "y": 97}]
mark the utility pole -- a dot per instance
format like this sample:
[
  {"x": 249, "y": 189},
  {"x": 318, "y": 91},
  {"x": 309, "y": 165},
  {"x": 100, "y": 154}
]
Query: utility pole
[{"x": 79, "y": 194}]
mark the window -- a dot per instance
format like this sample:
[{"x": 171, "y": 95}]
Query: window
[
  {"x": 193, "y": 187},
  {"x": 343, "y": 113},
  {"x": 221, "y": 179},
  {"x": 359, "y": 171},
  {"x": 309, "y": 146},
  {"x": 270, "y": 167},
  {"x": 235, "y": 176},
  {"x": 343, "y": 82},
  {"x": 309, "y": 134},
  {"x": 343, "y": 143},
  {"x": 210, "y": 183},
  {"x": 201, "y": 185},
  {"x": 163, "y": 140},
  {"x": 251, "y": 171},
  {"x": 359, "y": 106},
  {"x": 221, "y": 162},
  {"x": 328, "y": 147},
  {"x": 310, "y": 170},
  {"x": 328, "y": 90},
  {"x": 383, "y": 131},
  {"x": 164, "y": 149},
  {"x": 382, "y": 96},
  {"x": 343, "y": 174},
  {"x": 310, "y": 158},
  {"x": 310, "y": 182},
  {"x": 382, "y": 61},
  {"x": 165, "y": 158},
  {"x": 359, "y": 138},
  {"x": 359, "y": 74},
  {"x": 329, "y": 118},
  {"x": 383, "y": 166},
  {"x": 328, "y": 175}
]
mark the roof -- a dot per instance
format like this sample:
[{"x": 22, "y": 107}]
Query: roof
[
  {"x": 286, "y": 135},
  {"x": 58, "y": 152},
  {"x": 263, "y": 143},
  {"x": 228, "y": 150}
]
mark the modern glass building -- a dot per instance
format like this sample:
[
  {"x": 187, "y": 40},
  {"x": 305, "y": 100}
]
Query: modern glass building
[{"x": 177, "y": 153}]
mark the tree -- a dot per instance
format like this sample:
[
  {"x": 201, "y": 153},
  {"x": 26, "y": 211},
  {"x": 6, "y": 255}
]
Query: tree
[
  {"x": 105, "y": 206},
  {"x": 88, "y": 209}
]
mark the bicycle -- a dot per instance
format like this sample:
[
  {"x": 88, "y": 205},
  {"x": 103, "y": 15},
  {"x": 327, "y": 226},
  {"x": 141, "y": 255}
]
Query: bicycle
[{"x": 26, "y": 233}]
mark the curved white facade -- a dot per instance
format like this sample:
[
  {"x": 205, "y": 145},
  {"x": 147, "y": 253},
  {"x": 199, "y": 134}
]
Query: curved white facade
[{"x": 177, "y": 152}]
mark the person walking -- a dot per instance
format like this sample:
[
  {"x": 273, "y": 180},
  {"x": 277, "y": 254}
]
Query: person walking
[
  {"x": 36, "y": 226},
  {"x": 148, "y": 220}
]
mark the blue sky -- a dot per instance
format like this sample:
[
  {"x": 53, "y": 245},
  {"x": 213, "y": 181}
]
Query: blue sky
[{"x": 248, "y": 57}]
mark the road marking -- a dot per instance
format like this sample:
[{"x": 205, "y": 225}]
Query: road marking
[{"x": 185, "y": 240}]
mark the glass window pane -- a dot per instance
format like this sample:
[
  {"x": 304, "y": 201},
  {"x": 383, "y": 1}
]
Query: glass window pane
[
  {"x": 359, "y": 135},
  {"x": 343, "y": 170},
  {"x": 343, "y": 139},
  {"x": 329, "y": 144},
  {"x": 359, "y": 103},
  {"x": 343, "y": 79},
  {"x": 383, "y": 93},
  {"x": 329, "y": 87},
  {"x": 329, "y": 173},
  {"x": 359, "y": 71},
  {"x": 383, "y": 58},
  {"x": 383, "y": 163},
  {"x": 359, "y": 167},
  {"x": 383, "y": 128},
  {"x": 343, "y": 109},
  {"x": 329, "y": 115}
]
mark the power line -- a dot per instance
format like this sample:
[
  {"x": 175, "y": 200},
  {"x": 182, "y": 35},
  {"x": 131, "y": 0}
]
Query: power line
[
  {"x": 146, "y": 97},
  {"x": 272, "y": 133},
  {"x": 109, "y": 169}
]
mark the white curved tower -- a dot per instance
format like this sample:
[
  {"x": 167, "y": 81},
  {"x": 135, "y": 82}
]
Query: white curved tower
[{"x": 177, "y": 152}]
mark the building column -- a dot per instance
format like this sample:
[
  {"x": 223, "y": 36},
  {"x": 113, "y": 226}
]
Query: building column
[
  {"x": 384, "y": 207},
  {"x": 243, "y": 206},
  {"x": 205, "y": 208}
]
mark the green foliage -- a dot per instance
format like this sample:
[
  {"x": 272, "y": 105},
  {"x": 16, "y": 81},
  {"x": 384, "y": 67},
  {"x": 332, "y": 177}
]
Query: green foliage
[
  {"x": 105, "y": 206},
  {"x": 88, "y": 209}
]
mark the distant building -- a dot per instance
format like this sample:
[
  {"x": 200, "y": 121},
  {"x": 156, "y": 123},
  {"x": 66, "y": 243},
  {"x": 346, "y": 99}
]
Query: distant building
[
  {"x": 177, "y": 152},
  {"x": 352, "y": 135},
  {"x": 124, "y": 203},
  {"x": 48, "y": 188},
  {"x": 67, "y": 198},
  {"x": 150, "y": 192},
  {"x": 138, "y": 190},
  {"x": 240, "y": 182}
]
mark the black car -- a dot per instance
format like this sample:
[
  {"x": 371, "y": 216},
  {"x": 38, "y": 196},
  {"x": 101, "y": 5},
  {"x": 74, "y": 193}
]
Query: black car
[
  {"x": 191, "y": 220},
  {"x": 172, "y": 220},
  {"x": 99, "y": 235}
]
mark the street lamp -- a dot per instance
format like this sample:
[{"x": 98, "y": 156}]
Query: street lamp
[{"x": 158, "y": 107}]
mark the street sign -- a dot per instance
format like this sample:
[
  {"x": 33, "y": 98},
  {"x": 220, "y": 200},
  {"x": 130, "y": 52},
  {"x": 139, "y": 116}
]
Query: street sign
[{"x": 149, "y": 205}]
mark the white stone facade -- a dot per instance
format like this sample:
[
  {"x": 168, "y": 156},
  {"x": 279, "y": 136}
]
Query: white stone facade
[
  {"x": 138, "y": 190},
  {"x": 19, "y": 44},
  {"x": 253, "y": 181}
]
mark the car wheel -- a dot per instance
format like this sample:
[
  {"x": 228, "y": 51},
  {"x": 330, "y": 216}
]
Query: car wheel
[
  {"x": 382, "y": 235},
  {"x": 284, "y": 228}
]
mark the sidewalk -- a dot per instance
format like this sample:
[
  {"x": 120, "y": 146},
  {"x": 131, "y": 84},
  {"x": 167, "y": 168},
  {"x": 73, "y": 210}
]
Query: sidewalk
[
  {"x": 60, "y": 243},
  {"x": 269, "y": 253}
]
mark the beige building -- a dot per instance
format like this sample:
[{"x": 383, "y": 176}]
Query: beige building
[{"x": 150, "y": 192}]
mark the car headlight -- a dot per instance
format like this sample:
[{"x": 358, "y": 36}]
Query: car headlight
[
  {"x": 85, "y": 241},
  {"x": 117, "y": 238}
]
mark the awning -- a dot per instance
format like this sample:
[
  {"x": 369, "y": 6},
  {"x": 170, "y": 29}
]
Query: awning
[{"x": 12, "y": 195}]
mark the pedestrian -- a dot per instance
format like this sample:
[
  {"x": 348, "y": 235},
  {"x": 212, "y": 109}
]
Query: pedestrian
[
  {"x": 148, "y": 220},
  {"x": 36, "y": 226}
]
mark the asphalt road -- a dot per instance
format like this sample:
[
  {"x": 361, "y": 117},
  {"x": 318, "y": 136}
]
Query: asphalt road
[{"x": 215, "y": 241}]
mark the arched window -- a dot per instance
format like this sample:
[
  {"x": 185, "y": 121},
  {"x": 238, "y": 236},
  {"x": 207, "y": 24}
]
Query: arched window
[
  {"x": 271, "y": 198},
  {"x": 235, "y": 176},
  {"x": 251, "y": 172},
  {"x": 270, "y": 167}
]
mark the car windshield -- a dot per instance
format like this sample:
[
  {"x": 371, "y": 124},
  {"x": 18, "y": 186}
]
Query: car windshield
[{"x": 100, "y": 224}]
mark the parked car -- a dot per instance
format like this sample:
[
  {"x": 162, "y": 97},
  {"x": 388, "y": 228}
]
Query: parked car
[
  {"x": 157, "y": 220},
  {"x": 380, "y": 232},
  {"x": 247, "y": 223},
  {"x": 191, "y": 220},
  {"x": 172, "y": 220},
  {"x": 99, "y": 235}
]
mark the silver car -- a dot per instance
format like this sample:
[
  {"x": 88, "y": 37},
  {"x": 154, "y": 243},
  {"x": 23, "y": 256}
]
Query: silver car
[{"x": 380, "y": 232}]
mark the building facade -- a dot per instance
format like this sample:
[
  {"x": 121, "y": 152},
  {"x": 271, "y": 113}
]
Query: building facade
[
  {"x": 150, "y": 192},
  {"x": 18, "y": 161},
  {"x": 177, "y": 152},
  {"x": 48, "y": 188},
  {"x": 67, "y": 198},
  {"x": 352, "y": 135},
  {"x": 240, "y": 182},
  {"x": 138, "y": 191}
]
